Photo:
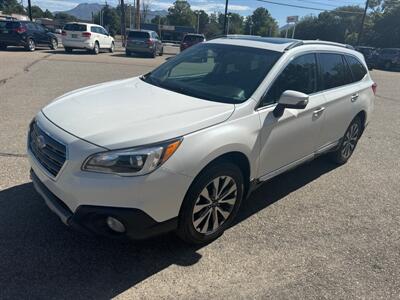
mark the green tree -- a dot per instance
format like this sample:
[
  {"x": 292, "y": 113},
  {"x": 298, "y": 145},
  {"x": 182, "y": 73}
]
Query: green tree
[
  {"x": 64, "y": 18},
  {"x": 48, "y": 14},
  {"x": 263, "y": 23},
  {"x": 111, "y": 19},
  {"x": 37, "y": 12},
  {"x": 181, "y": 14},
  {"x": 159, "y": 20},
  {"x": 11, "y": 6},
  {"x": 213, "y": 28}
]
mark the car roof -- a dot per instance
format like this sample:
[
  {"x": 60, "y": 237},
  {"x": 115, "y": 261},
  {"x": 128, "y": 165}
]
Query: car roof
[
  {"x": 195, "y": 34},
  {"x": 82, "y": 23},
  {"x": 272, "y": 43},
  {"x": 141, "y": 30}
]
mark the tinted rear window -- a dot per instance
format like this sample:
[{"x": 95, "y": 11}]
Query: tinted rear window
[
  {"x": 357, "y": 68},
  {"x": 75, "y": 27},
  {"x": 193, "y": 38},
  {"x": 138, "y": 35},
  {"x": 333, "y": 70},
  {"x": 2, "y": 25}
]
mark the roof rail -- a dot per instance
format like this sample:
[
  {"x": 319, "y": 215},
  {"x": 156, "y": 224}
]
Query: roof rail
[{"x": 317, "y": 42}]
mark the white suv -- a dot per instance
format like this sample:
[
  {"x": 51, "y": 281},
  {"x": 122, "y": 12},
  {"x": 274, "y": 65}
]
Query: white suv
[
  {"x": 180, "y": 147},
  {"x": 91, "y": 37}
]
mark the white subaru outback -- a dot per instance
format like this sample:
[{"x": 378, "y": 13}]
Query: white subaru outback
[{"x": 179, "y": 148}]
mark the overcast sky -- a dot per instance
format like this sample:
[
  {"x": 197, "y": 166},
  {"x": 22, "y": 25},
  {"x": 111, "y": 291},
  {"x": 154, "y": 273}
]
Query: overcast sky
[{"x": 244, "y": 7}]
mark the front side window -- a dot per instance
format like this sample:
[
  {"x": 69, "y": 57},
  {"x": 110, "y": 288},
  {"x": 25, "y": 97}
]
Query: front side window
[
  {"x": 223, "y": 73},
  {"x": 333, "y": 71},
  {"x": 357, "y": 68},
  {"x": 299, "y": 75}
]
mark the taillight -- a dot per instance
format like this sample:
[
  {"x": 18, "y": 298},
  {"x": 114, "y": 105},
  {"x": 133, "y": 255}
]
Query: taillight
[
  {"x": 86, "y": 34},
  {"x": 374, "y": 87},
  {"x": 20, "y": 29},
  {"x": 149, "y": 42},
  {"x": 64, "y": 32}
]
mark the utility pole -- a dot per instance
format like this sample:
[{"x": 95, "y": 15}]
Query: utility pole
[
  {"x": 229, "y": 23},
  {"x": 137, "y": 18},
  {"x": 226, "y": 16},
  {"x": 29, "y": 10},
  {"x": 362, "y": 22},
  {"x": 197, "y": 12},
  {"x": 123, "y": 23}
]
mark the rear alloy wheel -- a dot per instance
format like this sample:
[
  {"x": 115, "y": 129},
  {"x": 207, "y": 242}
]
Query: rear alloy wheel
[
  {"x": 112, "y": 48},
  {"x": 3, "y": 47},
  {"x": 348, "y": 143},
  {"x": 162, "y": 51},
  {"x": 54, "y": 44},
  {"x": 211, "y": 203},
  {"x": 31, "y": 46},
  {"x": 128, "y": 53},
  {"x": 154, "y": 54},
  {"x": 96, "y": 48}
]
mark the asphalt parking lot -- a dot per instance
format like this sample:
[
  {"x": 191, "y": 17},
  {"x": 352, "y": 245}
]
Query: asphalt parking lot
[{"x": 320, "y": 231}]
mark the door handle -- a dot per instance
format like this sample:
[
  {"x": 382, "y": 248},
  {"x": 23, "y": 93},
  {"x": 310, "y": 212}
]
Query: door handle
[
  {"x": 318, "y": 111},
  {"x": 354, "y": 97}
]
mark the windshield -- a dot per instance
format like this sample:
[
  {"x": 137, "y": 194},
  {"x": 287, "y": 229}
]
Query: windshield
[
  {"x": 193, "y": 38},
  {"x": 75, "y": 27},
  {"x": 215, "y": 72}
]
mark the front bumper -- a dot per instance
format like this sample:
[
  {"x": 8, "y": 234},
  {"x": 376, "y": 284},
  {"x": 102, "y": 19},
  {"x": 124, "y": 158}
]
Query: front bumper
[{"x": 91, "y": 219}]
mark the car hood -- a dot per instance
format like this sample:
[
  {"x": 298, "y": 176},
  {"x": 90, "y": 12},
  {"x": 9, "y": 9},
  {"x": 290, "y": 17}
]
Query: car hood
[{"x": 131, "y": 112}]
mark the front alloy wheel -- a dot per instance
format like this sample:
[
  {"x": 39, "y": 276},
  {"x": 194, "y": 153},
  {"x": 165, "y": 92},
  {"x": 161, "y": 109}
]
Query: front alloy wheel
[
  {"x": 54, "y": 44},
  {"x": 211, "y": 203},
  {"x": 214, "y": 205}
]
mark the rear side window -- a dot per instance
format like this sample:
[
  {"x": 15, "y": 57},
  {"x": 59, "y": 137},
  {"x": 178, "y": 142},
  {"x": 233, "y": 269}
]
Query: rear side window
[
  {"x": 75, "y": 27},
  {"x": 357, "y": 68},
  {"x": 30, "y": 26},
  {"x": 138, "y": 35},
  {"x": 299, "y": 75},
  {"x": 333, "y": 70},
  {"x": 13, "y": 25}
]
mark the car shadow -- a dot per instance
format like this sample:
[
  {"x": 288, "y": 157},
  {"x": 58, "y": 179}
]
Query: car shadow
[
  {"x": 74, "y": 52},
  {"x": 41, "y": 257}
]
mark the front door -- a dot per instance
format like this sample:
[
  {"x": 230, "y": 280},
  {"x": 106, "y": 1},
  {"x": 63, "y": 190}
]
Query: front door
[{"x": 292, "y": 138}]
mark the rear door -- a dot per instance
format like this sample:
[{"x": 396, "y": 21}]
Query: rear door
[
  {"x": 340, "y": 92},
  {"x": 73, "y": 32},
  {"x": 106, "y": 40},
  {"x": 40, "y": 34}
]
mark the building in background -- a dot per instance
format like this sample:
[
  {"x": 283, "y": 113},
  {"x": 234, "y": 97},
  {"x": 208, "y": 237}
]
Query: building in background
[{"x": 169, "y": 33}]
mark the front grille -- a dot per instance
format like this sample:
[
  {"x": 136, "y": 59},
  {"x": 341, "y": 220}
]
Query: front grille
[{"x": 50, "y": 153}]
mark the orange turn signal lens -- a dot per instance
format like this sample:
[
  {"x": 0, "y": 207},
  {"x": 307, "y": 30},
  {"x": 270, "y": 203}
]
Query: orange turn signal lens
[{"x": 170, "y": 149}]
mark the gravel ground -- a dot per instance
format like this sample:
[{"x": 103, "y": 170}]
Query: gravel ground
[{"x": 320, "y": 231}]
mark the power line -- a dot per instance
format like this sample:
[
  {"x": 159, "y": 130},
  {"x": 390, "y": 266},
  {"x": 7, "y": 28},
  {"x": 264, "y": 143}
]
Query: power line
[{"x": 311, "y": 8}]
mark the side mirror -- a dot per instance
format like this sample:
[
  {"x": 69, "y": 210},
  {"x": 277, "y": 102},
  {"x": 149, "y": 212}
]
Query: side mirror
[{"x": 290, "y": 99}]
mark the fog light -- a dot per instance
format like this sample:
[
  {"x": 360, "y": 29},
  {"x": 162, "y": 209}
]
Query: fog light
[{"x": 115, "y": 225}]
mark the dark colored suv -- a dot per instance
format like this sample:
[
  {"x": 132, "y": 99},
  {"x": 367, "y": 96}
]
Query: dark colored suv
[
  {"x": 192, "y": 39},
  {"x": 369, "y": 55},
  {"x": 26, "y": 34},
  {"x": 389, "y": 58}
]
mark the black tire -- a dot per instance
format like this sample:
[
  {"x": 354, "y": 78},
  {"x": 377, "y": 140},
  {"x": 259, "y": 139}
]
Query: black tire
[
  {"x": 162, "y": 51},
  {"x": 128, "y": 53},
  {"x": 112, "y": 48},
  {"x": 187, "y": 230},
  {"x": 154, "y": 54},
  {"x": 68, "y": 50},
  {"x": 3, "y": 47},
  {"x": 96, "y": 48},
  {"x": 348, "y": 143},
  {"x": 31, "y": 45},
  {"x": 54, "y": 44}
]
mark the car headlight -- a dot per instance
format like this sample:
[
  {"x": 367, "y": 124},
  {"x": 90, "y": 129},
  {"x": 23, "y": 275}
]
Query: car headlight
[{"x": 132, "y": 162}]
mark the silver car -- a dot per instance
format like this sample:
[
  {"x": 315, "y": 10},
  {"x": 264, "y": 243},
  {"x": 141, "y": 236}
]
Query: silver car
[{"x": 144, "y": 42}]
